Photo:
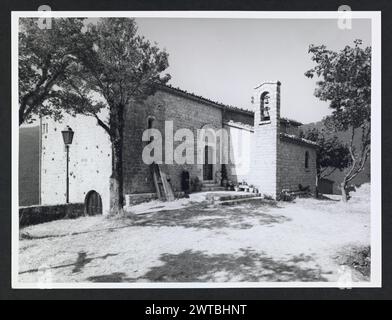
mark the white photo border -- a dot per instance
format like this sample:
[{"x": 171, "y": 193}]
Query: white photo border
[{"x": 376, "y": 197}]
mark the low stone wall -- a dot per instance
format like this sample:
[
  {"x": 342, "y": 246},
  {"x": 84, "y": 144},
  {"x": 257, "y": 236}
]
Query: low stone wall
[
  {"x": 133, "y": 199},
  {"x": 40, "y": 214},
  {"x": 137, "y": 198}
]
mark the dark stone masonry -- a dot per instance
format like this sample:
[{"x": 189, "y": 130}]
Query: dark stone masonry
[{"x": 265, "y": 150}]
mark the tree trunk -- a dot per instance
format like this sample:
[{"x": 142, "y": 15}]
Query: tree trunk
[
  {"x": 22, "y": 109},
  {"x": 316, "y": 192},
  {"x": 116, "y": 179},
  {"x": 345, "y": 192},
  {"x": 358, "y": 161},
  {"x": 21, "y": 119}
]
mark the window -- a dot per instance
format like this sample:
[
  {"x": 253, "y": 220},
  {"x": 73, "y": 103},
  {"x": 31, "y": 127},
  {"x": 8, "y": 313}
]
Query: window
[
  {"x": 264, "y": 106},
  {"x": 150, "y": 124},
  {"x": 306, "y": 160}
]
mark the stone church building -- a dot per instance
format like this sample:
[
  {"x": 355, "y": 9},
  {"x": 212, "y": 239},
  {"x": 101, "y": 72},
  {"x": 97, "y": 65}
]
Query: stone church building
[{"x": 273, "y": 157}]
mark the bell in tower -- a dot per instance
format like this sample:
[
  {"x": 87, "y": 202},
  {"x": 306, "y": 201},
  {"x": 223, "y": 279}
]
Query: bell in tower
[{"x": 264, "y": 106}]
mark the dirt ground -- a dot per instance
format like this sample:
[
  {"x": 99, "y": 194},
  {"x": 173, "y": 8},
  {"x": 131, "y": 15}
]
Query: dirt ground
[{"x": 195, "y": 241}]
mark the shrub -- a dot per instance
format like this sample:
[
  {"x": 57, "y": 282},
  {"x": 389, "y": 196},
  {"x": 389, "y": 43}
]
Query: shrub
[{"x": 285, "y": 195}]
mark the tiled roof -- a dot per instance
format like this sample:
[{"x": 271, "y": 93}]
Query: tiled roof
[
  {"x": 298, "y": 140},
  {"x": 193, "y": 96},
  {"x": 291, "y": 122},
  {"x": 240, "y": 125},
  {"x": 217, "y": 104}
]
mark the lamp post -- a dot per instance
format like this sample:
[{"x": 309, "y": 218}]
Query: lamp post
[{"x": 67, "y": 137}]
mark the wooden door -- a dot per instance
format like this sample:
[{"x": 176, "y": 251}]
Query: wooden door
[
  {"x": 207, "y": 167},
  {"x": 93, "y": 203}
]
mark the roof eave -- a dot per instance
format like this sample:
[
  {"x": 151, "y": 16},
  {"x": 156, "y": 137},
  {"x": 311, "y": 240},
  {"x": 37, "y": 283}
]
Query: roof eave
[
  {"x": 201, "y": 99},
  {"x": 298, "y": 140}
]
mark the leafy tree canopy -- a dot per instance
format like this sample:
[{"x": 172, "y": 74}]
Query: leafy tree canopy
[
  {"x": 332, "y": 153},
  {"x": 344, "y": 80},
  {"x": 45, "y": 57},
  {"x": 116, "y": 67}
]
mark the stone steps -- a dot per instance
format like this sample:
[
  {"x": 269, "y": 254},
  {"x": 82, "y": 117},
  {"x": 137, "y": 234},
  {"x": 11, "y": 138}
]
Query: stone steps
[
  {"x": 240, "y": 201},
  {"x": 226, "y": 197},
  {"x": 209, "y": 183},
  {"x": 233, "y": 199},
  {"x": 212, "y": 188}
]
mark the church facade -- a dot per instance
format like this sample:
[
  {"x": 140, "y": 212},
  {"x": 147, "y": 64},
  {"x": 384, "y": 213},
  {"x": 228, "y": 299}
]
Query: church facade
[{"x": 264, "y": 149}]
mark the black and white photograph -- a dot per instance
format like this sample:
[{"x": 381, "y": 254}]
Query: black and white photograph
[{"x": 196, "y": 149}]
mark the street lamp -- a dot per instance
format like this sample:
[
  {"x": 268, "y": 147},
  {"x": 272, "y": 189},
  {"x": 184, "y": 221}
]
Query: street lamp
[{"x": 67, "y": 137}]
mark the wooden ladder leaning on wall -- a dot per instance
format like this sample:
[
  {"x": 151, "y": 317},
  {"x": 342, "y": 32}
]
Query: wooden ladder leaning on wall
[{"x": 162, "y": 183}]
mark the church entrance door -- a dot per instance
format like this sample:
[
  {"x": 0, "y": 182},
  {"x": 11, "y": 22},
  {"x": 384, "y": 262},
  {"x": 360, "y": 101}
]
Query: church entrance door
[{"x": 207, "y": 166}]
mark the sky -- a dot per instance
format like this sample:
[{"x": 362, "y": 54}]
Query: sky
[{"x": 224, "y": 59}]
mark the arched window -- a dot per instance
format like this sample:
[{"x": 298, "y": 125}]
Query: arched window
[
  {"x": 306, "y": 159},
  {"x": 150, "y": 125},
  {"x": 150, "y": 122},
  {"x": 264, "y": 106}
]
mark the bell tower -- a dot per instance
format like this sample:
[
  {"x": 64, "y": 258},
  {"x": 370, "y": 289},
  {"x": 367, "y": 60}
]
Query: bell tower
[{"x": 263, "y": 162}]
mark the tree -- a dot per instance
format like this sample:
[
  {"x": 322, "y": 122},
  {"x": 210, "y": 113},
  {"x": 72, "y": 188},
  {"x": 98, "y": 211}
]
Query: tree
[
  {"x": 116, "y": 68},
  {"x": 345, "y": 82},
  {"x": 332, "y": 154},
  {"x": 45, "y": 56}
]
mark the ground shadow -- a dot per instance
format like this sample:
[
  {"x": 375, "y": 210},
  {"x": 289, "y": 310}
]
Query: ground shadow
[
  {"x": 78, "y": 265},
  {"x": 210, "y": 217},
  {"x": 199, "y": 215},
  {"x": 24, "y": 235},
  {"x": 197, "y": 266},
  {"x": 114, "y": 277}
]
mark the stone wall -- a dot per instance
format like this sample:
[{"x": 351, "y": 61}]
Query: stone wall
[
  {"x": 264, "y": 145},
  {"x": 40, "y": 214},
  {"x": 90, "y": 152},
  {"x": 163, "y": 106},
  {"x": 291, "y": 169},
  {"x": 245, "y": 118},
  {"x": 273, "y": 164}
]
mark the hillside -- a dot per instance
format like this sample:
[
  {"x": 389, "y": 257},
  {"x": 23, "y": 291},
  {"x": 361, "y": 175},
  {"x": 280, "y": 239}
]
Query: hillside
[
  {"x": 337, "y": 176},
  {"x": 28, "y": 166}
]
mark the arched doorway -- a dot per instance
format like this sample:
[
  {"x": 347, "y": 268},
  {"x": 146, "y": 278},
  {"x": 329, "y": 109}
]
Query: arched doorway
[
  {"x": 93, "y": 203},
  {"x": 207, "y": 167},
  {"x": 210, "y": 151}
]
